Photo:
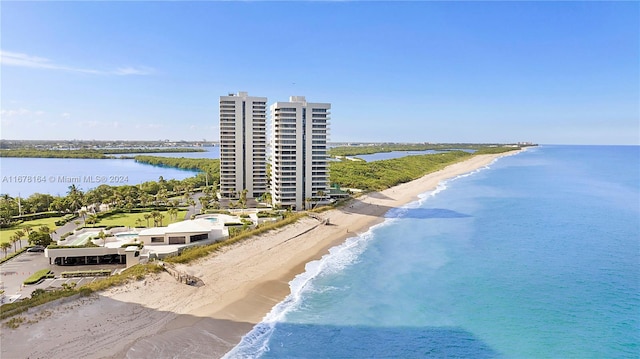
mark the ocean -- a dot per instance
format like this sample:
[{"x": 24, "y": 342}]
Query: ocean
[{"x": 535, "y": 256}]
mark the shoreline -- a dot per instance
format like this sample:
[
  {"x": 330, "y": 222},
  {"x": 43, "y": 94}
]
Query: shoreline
[{"x": 157, "y": 316}]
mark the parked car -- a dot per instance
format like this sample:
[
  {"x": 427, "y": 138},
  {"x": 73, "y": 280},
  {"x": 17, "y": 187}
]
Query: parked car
[{"x": 36, "y": 249}]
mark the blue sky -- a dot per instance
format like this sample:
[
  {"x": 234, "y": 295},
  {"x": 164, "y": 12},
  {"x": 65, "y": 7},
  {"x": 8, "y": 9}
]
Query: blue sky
[{"x": 548, "y": 72}]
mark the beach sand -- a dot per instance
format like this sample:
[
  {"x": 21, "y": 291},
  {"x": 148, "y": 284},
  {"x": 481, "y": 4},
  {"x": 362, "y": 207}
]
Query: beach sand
[{"x": 160, "y": 318}]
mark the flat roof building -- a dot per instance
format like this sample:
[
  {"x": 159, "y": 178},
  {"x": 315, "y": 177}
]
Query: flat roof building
[
  {"x": 243, "y": 145},
  {"x": 185, "y": 232},
  {"x": 299, "y": 158}
]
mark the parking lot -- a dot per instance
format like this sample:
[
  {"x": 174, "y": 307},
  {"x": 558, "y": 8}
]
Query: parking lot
[{"x": 15, "y": 271}]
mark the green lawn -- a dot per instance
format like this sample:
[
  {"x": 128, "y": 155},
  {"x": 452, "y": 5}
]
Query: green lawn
[
  {"x": 129, "y": 219},
  {"x": 6, "y": 233},
  {"x": 120, "y": 219}
]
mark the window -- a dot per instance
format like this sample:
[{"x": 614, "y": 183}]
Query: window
[
  {"x": 177, "y": 240},
  {"x": 199, "y": 237}
]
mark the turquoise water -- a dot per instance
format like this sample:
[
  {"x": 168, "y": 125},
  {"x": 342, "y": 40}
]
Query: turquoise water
[
  {"x": 126, "y": 235},
  {"x": 535, "y": 257}
]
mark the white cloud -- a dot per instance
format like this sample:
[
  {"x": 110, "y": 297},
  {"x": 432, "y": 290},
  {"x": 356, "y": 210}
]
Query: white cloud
[
  {"x": 20, "y": 112},
  {"x": 90, "y": 124},
  {"x": 129, "y": 70},
  {"x": 5, "y": 122},
  {"x": 65, "y": 115},
  {"x": 8, "y": 58}
]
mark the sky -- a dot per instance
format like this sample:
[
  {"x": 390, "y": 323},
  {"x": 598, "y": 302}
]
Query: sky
[{"x": 545, "y": 72}]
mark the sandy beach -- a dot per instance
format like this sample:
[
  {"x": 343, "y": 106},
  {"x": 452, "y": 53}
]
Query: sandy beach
[{"x": 161, "y": 318}]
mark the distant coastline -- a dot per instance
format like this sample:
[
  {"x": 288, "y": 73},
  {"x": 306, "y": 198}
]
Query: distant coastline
[{"x": 89, "y": 153}]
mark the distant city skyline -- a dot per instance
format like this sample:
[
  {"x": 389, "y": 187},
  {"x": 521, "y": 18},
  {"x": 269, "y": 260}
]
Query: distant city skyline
[{"x": 546, "y": 72}]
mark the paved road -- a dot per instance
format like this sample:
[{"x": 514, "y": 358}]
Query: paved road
[
  {"x": 68, "y": 227},
  {"x": 191, "y": 210}
]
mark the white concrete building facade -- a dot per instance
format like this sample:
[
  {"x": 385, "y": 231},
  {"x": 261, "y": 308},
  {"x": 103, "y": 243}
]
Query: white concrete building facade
[
  {"x": 243, "y": 145},
  {"x": 185, "y": 232},
  {"x": 299, "y": 158}
]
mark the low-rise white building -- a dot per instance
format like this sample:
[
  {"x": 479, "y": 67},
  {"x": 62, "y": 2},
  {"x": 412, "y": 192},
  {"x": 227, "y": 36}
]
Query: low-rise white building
[
  {"x": 93, "y": 255},
  {"x": 184, "y": 232}
]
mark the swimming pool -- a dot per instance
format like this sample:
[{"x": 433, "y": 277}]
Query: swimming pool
[{"x": 121, "y": 236}]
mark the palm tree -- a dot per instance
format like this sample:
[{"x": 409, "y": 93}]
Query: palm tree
[
  {"x": 266, "y": 198},
  {"x": 103, "y": 236},
  {"x": 5, "y": 246},
  {"x": 243, "y": 197},
  {"x": 204, "y": 202},
  {"x": 157, "y": 218},
  {"x": 14, "y": 239},
  {"x": 173, "y": 213},
  {"x": 147, "y": 217},
  {"x": 20, "y": 234},
  {"x": 92, "y": 219},
  {"x": 27, "y": 229},
  {"x": 321, "y": 195},
  {"x": 161, "y": 196},
  {"x": 83, "y": 214},
  {"x": 191, "y": 202},
  {"x": 143, "y": 198},
  {"x": 75, "y": 197}
]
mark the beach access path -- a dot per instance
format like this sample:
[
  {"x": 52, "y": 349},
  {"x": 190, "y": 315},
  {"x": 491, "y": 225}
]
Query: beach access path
[{"x": 159, "y": 317}]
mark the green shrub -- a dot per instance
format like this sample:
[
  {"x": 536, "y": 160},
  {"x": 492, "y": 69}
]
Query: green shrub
[
  {"x": 13, "y": 323},
  {"x": 37, "y": 276},
  {"x": 86, "y": 273},
  {"x": 265, "y": 214},
  {"x": 139, "y": 245},
  {"x": 235, "y": 235}
]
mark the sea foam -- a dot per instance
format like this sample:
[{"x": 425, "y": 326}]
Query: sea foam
[{"x": 255, "y": 343}]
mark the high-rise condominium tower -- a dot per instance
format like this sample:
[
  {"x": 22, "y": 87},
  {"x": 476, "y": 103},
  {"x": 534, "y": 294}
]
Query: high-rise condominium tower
[
  {"x": 243, "y": 145},
  {"x": 299, "y": 168}
]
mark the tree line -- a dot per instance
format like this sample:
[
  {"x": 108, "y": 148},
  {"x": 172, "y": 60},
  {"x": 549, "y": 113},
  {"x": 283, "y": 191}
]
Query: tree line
[
  {"x": 88, "y": 153},
  {"x": 380, "y": 175},
  {"x": 161, "y": 193},
  {"x": 392, "y": 147}
]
